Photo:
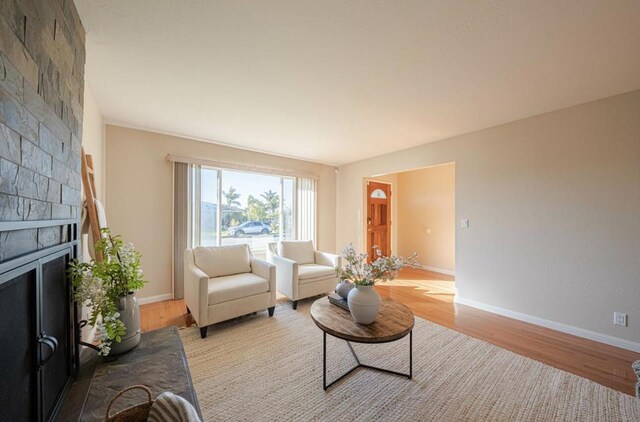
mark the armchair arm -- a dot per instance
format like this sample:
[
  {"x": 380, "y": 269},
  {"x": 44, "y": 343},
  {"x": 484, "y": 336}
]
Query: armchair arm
[
  {"x": 196, "y": 289},
  {"x": 265, "y": 270},
  {"x": 328, "y": 259},
  {"x": 272, "y": 249},
  {"x": 286, "y": 276}
]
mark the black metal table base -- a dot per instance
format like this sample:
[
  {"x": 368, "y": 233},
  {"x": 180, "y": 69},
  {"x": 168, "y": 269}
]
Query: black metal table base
[{"x": 359, "y": 364}]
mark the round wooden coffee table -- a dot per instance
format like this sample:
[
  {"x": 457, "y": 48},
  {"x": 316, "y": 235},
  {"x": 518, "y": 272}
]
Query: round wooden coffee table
[{"x": 394, "y": 321}]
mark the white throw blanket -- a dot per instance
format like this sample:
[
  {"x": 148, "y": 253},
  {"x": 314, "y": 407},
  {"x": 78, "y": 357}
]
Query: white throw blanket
[{"x": 168, "y": 407}]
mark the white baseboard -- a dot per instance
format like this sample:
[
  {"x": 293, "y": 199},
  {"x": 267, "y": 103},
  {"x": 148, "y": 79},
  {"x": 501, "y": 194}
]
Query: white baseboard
[
  {"x": 569, "y": 329},
  {"x": 438, "y": 270},
  {"x": 152, "y": 299}
]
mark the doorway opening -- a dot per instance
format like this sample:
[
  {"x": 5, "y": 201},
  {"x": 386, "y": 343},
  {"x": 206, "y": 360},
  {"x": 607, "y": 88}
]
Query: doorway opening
[{"x": 414, "y": 211}]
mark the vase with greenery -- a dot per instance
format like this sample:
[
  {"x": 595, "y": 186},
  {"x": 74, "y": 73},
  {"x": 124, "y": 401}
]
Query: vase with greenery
[
  {"x": 364, "y": 301},
  {"x": 107, "y": 286}
]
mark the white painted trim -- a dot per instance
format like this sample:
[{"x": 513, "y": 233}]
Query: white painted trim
[
  {"x": 153, "y": 299},
  {"x": 438, "y": 270},
  {"x": 568, "y": 329}
]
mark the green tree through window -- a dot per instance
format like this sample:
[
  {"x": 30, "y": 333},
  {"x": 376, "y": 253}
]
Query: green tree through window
[
  {"x": 239, "y": 207},
  {"x": 231, "y": 197},
  {"x": 272, "y": 208}
]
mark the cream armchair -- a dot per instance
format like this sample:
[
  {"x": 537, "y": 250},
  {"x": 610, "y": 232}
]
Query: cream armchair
[
  {"x": 302, "y": 271},
  {"x": 225, "y": 282}
]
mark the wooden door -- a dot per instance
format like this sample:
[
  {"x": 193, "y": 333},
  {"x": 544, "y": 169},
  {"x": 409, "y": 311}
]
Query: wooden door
[{"x": 378, "y": 219}]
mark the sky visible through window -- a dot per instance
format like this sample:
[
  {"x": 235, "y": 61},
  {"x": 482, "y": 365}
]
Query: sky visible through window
[{"x": 244, "y": 183}]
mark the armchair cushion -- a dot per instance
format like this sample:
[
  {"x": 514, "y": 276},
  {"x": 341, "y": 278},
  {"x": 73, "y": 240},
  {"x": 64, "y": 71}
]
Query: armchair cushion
[
  {"x": 311, "y": 272},
  {"x": 221, "y": 261},
  {"x": 231, "y": 287},
  {"x": 301, "y": 251}
]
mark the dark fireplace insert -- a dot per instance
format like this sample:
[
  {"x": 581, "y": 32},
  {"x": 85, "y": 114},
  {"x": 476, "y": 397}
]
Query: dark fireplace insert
[{"x": 38, "y": 319}]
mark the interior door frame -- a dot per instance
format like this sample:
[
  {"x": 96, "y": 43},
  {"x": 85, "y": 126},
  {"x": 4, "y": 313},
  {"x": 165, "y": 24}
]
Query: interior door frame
[{"x": 365, "y": 202}]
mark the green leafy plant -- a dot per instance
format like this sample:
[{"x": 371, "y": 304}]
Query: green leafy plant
[
  {"x": 101, "y": 284},
  {"x": 361, "y": 273}
]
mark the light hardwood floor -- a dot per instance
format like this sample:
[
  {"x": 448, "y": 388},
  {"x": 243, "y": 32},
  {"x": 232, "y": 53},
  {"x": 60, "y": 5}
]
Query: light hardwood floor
[{"x": 430, "y": 296}]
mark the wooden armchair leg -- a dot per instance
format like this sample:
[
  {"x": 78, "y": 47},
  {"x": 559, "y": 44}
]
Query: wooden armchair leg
[
  {"x": 203, "y": 332},
  {"x": 271, "y": 310},
  {"x": 295, "y": 305}
]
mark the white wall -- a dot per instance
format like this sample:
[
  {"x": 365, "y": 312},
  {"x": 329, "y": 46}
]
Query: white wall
[
  {"x": 93, "y": 139},
  {"x": 554, "y": 206},
  {"x": 426, "y": 216},
  {"x": 140, "y": 194}
]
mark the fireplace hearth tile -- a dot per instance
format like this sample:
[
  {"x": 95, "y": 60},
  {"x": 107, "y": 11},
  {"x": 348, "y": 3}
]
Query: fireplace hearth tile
[{"x": 158, "y": 362}]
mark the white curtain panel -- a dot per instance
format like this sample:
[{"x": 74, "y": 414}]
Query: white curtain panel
[{"x": 306, "y": 206}]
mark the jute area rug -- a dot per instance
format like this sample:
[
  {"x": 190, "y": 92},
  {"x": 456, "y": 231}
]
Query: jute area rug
[{"x": 257, "y": 368}]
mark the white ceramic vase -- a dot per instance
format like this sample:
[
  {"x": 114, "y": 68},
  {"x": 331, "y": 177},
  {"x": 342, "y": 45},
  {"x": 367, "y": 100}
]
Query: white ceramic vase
[
  {"x": 343, "y": 288},
  {"x": 130, "y": 317},
  {"x": 364, "y": 304}
]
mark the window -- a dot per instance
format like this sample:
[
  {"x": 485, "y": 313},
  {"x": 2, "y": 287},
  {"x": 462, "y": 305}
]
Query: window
[
  {"x": 235, "y": 207},
  {"x": 209, "y": 207},
  {"x": 288, "y": 209}
]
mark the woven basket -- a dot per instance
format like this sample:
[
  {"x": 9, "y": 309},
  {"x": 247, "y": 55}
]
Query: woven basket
[{"x": 137, "y": 413}]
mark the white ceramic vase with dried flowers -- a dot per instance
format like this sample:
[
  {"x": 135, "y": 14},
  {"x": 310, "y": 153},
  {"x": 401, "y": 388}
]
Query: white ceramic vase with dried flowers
[{"x": 364, "y": 301}]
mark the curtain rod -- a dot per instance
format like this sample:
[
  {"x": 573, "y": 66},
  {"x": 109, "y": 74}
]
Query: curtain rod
[{"x": 235, "y": 166}]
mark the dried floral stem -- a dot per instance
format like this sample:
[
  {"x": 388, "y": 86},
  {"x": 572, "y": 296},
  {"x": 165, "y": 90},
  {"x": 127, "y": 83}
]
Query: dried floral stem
[{"x": 384, "y": 268}]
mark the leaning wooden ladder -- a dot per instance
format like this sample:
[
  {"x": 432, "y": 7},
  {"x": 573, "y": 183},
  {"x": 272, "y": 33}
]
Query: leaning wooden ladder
[{"x": 89, "y": 186}]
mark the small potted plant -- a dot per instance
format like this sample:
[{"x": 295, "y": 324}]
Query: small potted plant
[
  {"x": 364, "y": 301},
  {"x": 108, "y": 286}
]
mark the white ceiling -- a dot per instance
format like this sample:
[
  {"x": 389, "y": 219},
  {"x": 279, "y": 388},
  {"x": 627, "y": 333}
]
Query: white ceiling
[{"x": 337, "y": 81}]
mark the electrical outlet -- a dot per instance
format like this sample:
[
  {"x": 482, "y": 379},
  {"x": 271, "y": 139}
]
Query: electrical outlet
[
  {"x": 620, "y": 319},
  {"x": 464, "y": 223}
]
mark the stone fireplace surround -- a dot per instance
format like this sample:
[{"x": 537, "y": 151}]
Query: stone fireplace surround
[{"x": 42, "y": 58}]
